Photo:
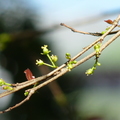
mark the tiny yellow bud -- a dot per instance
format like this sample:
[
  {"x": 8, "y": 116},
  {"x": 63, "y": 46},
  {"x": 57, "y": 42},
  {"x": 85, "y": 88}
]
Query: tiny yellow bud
[
  {"x": 54, "y": 58},
  {"x": 68, "y": 56},
  {"x": 45, "y": 50},
  {"x": 26, "y": 93},
  {"x": 2, "y": 82},
  {"x": 98, "y": 63},
  {"x": 7, "y": 88},
  {"x": 39, "y": 62},
  {"x": 89, "y": 72}
]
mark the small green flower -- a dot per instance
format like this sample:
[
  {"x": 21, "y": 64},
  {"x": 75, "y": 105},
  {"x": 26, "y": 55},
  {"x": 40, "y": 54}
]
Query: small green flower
[
  {"x": 73, "y": 62},
  {"x": 7, "y": 88},
  {"x": 103, "y": 32},
  {"x": 68, "y": 56},
  {"x": 97, "y": 49},
  {"x": 99, "y": 64},
  {"x": 26, "y": 93},
  {"x": 54, "y": 58},
  {"x": 2, "y": 82},
  {"x": 45, "y": 50},
  {"x": 97, "y": 46},
  {"x": 39, "y": 62},
  {"x": 69, "y": 66},
  {"x": 90, "y": 71},
  {"x": 70, "y": 62}
]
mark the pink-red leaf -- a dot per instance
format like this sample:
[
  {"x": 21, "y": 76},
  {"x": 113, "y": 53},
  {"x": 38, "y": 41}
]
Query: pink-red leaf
[
  {"x": 29, "y": 74},
  {"x": 109, "y": 21}
]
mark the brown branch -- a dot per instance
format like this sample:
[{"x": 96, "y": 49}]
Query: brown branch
[
  {"x": 87, "y": 33},
  {"x": 60, "y": 70},
  {"x": 20, "y": 103},
  {"x": 110, "y": 40},
  {"x": 22, "y": 85}
]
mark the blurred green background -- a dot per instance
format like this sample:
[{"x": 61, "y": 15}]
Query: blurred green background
[{"x": 25, "y": 26}]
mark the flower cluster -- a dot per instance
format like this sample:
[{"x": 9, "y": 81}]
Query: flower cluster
[
  {"x": 97, "y": 50},
  {"x": 53, "y": 58},
  {"x": 45, "y": 50},
  {"x": 103, "y": 32},
  {"x": 70, "y": 63},
  {"x": 91, "y": 70}
]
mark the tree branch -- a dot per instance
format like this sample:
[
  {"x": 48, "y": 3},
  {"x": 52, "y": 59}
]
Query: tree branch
[
  {"x": 87, "y": 33},
  {"x": 53, "y": 75}
]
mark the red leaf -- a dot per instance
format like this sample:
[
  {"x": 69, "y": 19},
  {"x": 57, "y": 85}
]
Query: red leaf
[
  {"x": 29, "y": 74},
  {"x": 109, "y": 21}
]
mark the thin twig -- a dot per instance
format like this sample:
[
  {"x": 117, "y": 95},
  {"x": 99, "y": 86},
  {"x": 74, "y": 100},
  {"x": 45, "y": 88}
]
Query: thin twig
[
  {"x": 23, "y": 85},
  {"x": 74, "y": 30},
  {"x": 87, "y": 33},
  {"x": 20, "y": 103},
  {"x": 110, "y": 40}
]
